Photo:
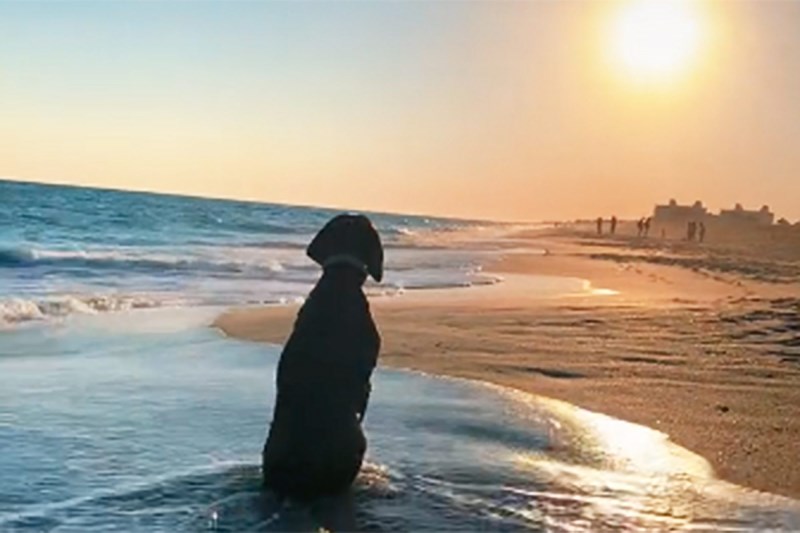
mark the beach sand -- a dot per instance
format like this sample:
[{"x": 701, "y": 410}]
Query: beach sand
[{"x": 700, "y": 342}]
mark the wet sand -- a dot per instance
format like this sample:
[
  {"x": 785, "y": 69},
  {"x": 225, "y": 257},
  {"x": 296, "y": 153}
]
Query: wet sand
[{"x": 708, "y": 354}]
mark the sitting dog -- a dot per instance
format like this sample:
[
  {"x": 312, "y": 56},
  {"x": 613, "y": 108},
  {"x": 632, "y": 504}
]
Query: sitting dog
[{"x": 315, "y": 445}]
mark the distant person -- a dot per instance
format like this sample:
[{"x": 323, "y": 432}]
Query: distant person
[
  {"x": 640, "y": 226},
  {"x": 663, "y": 233},
  {"x": 701, "y": 231},
  {"x": 647, "y": 222},
  {"x": 613, "y": 225},
  {"x": 691, "y": 230},
  {"x": 599, "y": 225}
]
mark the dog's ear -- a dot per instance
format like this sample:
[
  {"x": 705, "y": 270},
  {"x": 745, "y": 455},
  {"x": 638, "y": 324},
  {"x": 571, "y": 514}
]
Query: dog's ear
[
  {"x": 374, "y": 253},
  {"x": 322, "y": 245}
]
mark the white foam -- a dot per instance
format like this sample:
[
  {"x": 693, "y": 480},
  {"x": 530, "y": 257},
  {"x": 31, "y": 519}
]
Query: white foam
[
  {"x": 16, "y": 310},
  {"x": 19, "y": 310},
  {"x": 98, "y": 279}
]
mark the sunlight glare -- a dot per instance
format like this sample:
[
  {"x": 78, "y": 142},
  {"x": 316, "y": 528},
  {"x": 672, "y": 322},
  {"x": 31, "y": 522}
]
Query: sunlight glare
[{"x": 655, "y": 40}]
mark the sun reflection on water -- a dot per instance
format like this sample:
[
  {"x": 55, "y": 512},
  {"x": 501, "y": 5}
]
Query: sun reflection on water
[{"x": 616, "y": 474}]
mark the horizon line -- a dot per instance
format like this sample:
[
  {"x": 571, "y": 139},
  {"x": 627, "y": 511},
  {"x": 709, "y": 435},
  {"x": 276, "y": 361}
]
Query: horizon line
[
  {"x": 33, "y": 181},
  {"x": 589, "y": 218}
]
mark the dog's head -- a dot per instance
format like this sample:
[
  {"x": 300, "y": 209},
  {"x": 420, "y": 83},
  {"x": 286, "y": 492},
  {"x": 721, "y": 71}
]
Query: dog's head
[{"x": 349, "y": 239}]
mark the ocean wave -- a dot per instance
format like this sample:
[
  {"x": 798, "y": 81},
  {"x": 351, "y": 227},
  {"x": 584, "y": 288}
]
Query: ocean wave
[
  {"x": 15, "y": 257},
  {"x": 72, "y": 279},
  {"x": 17, "y": 310},
  {"x": 272, "y": 244},
  {"x": 393, "y": 237},
  {"x": 228, "y": 261},
  {"x": 389, "y": 243},
  {"x": 134, "y": 260},
  {"x": 393, "y": 287},
  {"x": 402, "y": 230}
]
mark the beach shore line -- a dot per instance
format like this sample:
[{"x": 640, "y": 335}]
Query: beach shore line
[{"x": 707, "y": 355}]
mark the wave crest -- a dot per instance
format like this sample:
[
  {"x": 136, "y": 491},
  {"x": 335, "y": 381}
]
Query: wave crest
[
  {"x": 16, "y": 310},
  {"x": 132, "y": 261},
  {"x": 15, "y": 257}
]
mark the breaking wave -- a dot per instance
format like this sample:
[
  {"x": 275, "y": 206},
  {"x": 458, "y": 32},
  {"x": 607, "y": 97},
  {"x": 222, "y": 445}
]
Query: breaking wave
[
  {"x": 130, "y": 261},
  {"x": 66, "y": 251},
  {"x": 16, "y": 310}
]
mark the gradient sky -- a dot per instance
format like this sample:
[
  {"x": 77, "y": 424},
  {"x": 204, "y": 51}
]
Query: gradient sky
[{"x": 505, "y": 110}]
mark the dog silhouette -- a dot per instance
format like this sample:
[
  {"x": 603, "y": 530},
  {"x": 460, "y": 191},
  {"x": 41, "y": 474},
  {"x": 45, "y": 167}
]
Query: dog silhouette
[{"x": 316, "y": 445}]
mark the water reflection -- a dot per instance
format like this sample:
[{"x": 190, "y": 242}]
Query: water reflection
[{"x": 160, "y": 429}]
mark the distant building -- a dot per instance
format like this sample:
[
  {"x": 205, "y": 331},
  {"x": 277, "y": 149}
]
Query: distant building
[
  {"x": 740, "y": 216},
  {"x": 675, "y": 213},
  {"x": 674, "y": 216}
]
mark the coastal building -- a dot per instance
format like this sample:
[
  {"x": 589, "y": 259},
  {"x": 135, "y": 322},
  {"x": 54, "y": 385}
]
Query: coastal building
[
  {"x": 739, "y": 216},
  {"x": 675, "y": 213}
]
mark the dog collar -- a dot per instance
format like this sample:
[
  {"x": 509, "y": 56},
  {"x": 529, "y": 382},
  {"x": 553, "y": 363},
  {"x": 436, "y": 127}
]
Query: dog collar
[{"x": 345, "y": 259}]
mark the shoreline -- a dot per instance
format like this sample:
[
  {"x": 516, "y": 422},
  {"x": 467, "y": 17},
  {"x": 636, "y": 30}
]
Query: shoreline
[{"x": 670, "y": 349}]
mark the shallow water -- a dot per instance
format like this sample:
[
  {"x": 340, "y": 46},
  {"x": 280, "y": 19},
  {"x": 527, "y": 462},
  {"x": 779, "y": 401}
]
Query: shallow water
[{"x": 148, "y": 421}]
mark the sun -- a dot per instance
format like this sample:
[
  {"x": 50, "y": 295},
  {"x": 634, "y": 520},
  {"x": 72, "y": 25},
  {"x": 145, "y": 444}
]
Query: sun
[{"x": 656, "y": 40}]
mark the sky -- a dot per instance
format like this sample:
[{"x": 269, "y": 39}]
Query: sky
[{"x": 505, "y": 110}]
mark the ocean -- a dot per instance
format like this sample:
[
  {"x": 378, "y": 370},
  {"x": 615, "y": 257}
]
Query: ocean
[
  {"x": 67, "y": 250},
  {"x": 121, "y": 410}
]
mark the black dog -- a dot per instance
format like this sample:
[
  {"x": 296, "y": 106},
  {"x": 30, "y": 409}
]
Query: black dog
[{"x": 316, "y": 445}]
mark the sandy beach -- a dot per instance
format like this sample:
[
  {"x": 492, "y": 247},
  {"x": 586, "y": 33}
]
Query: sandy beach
[{"x": 700, "y": 342}]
